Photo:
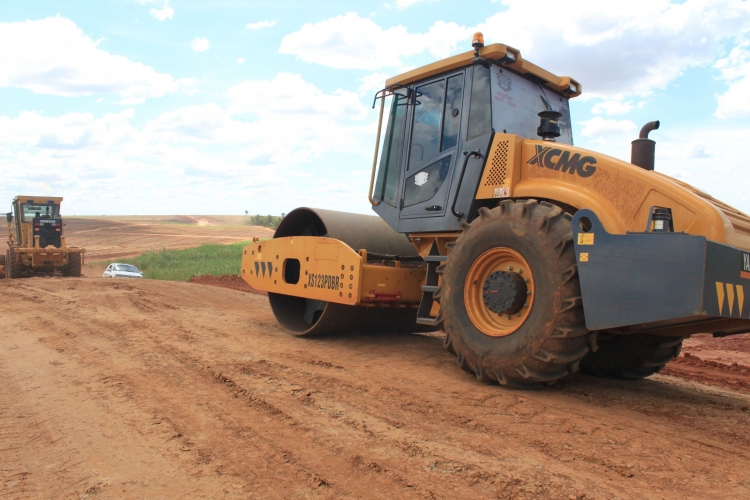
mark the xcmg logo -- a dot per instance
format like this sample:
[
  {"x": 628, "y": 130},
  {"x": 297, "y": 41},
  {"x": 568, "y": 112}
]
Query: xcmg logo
[{"x": 557, "y": 159}]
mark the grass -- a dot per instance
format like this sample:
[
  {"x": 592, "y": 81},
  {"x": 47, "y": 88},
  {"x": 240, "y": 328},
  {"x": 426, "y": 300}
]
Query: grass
[{"x": 181, "y": 265}]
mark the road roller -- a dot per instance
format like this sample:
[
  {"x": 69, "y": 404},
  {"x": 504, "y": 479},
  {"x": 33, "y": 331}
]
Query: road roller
[{"x": 535, "y": 257}]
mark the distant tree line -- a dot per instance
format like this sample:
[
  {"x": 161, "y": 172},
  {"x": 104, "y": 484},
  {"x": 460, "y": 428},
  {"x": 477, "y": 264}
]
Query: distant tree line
[{"x": 271, "y": 221}]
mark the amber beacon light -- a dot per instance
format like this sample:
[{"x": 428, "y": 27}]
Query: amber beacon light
[{"x": 477, "y": 41}]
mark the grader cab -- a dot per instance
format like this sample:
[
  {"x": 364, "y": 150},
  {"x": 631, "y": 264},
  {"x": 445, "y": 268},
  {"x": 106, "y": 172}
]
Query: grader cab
[
  {"x": 36, "y": 240},
  {"x": 537, "y": 258}
]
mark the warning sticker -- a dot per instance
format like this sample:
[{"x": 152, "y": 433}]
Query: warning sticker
[
  {"x": 586, "y": 238},
  {"x": 503, "y": 192}
]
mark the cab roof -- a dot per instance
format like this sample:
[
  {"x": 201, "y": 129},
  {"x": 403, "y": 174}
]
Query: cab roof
[
  {"x": 496, "y": 52},
  {"x": 38, "y": 200}
]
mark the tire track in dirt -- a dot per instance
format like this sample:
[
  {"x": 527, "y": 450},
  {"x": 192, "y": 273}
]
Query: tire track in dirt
[
  {"x": 408, "y": 448},
  {"x": 145, "y": 351},
  {"x": 246, "y": 408}
]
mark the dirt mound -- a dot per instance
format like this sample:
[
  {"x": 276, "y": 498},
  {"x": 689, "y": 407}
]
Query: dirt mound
[
  {"x": 691, "y": 367},
  {"x": 231, "y": 281}
]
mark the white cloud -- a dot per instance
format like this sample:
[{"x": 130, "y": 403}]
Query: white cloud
[
  {"x": 402, "y": 4},
  {"x": 735, "y": 70},
  {"x": 70, "y": 131},
  {"x": 165, "y": 13},
  {"x": 620, "y": 48},
  {"x": 612, "y": 48},
  {"x": 200, "y": 44},
  {"x": 612, "y": 107},
  {"x": 289, "y": 94},
  {"x": 206, "y": 122},
  {"x": 130, "y": 101},
  {"x": 599, "y": 127},
  {"x": 353, "y": 42},
  {"x": 699, "y": 151},
  {"x": 106, "y": 165},
  {"x": 202, "y": 152},
  {"x": 240, "y": 60},
  {"x": 260, "y": 25},
  {"x": 54, "y": 56},
  {"x": 372, "y": 83}
]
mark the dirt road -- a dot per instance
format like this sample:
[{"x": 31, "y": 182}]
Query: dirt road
[{"x": 146, "y": 389}]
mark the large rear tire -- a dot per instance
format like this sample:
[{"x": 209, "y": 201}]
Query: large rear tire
[
  {"x": 73, "y": 269},
  {"x": 631, "y": 356},
  {"x": 525, "y": 246}
]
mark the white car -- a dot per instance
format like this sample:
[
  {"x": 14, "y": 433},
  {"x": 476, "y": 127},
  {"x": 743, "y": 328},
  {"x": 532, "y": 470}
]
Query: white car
[{"x": 122, "y": 271}]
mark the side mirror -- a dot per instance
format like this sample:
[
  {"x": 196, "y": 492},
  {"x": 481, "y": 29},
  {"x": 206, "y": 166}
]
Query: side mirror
[{"x": 9, "y": 217}]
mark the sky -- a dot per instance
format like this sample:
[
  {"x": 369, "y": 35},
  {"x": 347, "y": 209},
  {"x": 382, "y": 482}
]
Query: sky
[{"x": 195, "y": 107}]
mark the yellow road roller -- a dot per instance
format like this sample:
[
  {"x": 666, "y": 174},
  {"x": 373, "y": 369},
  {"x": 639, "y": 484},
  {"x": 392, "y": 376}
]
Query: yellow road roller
[{"x": 537, "y": 258}]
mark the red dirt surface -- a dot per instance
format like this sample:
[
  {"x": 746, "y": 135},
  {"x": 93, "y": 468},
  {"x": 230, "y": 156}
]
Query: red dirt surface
[
  {"x": 231, "y": 281},
  {"x": 724, "y": 362},
  {"x": 149, "y": 389}
]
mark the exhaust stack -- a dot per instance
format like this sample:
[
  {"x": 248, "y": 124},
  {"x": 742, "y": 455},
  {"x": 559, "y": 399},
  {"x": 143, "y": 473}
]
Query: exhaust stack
[{"x": 643, "y": 149}]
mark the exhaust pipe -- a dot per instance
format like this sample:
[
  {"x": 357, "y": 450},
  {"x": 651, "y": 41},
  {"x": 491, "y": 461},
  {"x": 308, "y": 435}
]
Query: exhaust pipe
[{"x": 643, "y": 149}]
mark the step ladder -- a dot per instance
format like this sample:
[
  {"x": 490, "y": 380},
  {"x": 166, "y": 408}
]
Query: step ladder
[{"x": 430, "y": 288}]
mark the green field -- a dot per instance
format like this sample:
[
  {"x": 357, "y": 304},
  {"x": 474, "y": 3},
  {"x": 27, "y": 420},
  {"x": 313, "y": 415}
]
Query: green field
[{"x": 181, "y": 265}]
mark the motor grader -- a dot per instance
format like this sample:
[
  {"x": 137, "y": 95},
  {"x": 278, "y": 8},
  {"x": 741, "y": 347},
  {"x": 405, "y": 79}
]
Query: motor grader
[
  {"x": 36, "y": 240},
  {"x": 537, "y": 258}
]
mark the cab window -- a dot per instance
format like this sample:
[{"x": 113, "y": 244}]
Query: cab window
[
  {"x": 437, "y": 119},
  {"x": 452, "y": 115},
  {"x": 386, "y": 187},
  {"x": 29, "y": 211},
  {"x": 425, "y": 134},
  {"x": 480, "y": 118}
]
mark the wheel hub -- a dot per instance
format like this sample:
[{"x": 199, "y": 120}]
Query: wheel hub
[
  {"x": 504, "y": 292},
  {"x": 499, "y": 292}
]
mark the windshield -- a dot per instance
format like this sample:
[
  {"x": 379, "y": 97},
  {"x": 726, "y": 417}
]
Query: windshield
[
  {"x": 125, "y": 268},
  {"x": 29, "y": 211}
]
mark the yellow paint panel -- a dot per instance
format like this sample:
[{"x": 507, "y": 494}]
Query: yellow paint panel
[
  {"x": 391, "y": 281},
  {"x": 730, "y": 296},
  {"x": 616, "y": 191},
  {"x": 720, "y": 295},
  {"x": 326, "y": 252},
  {"x": 346, "y": 280},
  {"x": 502, "y": 168},
  {"x": 740, "y": 298}
]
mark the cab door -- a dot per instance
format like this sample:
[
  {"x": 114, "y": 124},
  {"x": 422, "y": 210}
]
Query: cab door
[{"x": 431, "y": 153}]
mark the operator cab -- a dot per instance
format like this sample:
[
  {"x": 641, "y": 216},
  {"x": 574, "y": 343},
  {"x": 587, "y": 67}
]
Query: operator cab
[
  {"x": 441, "y": 122},
  {"x": 37, "y": 217}
]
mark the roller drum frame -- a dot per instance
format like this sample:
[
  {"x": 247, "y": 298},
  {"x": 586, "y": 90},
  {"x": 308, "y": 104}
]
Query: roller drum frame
[{"x": 360, "y": 232}]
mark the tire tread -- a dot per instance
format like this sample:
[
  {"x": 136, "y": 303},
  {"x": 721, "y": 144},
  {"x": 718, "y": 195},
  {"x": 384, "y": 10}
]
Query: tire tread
[{"x": 561, "y": 353}]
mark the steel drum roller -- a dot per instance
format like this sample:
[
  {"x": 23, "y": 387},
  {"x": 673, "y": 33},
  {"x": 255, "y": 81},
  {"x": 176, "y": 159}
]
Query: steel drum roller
[{"x": 361, "y": 232}]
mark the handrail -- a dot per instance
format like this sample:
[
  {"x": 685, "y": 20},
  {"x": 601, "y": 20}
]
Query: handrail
[
  {"x": 473, "y": 154},
  {"x": 374, "y": 202}
]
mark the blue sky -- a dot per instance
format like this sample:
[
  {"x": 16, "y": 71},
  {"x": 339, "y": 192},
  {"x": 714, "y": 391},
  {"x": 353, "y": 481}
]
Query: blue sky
[{"x": 168, "y": 107}]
